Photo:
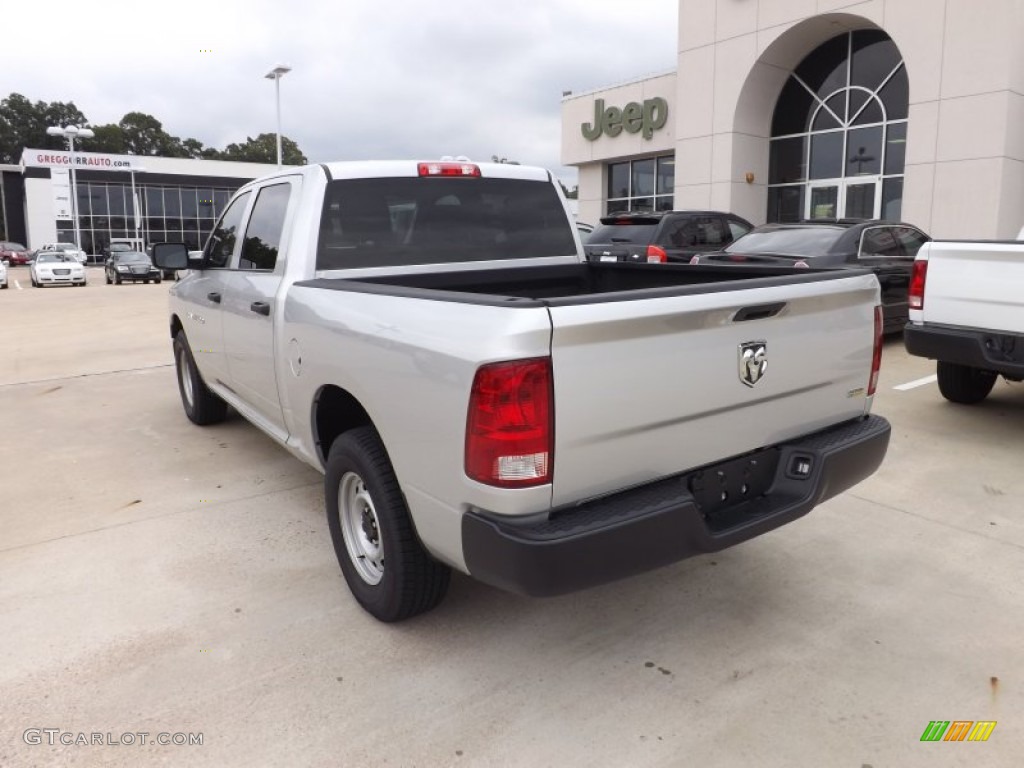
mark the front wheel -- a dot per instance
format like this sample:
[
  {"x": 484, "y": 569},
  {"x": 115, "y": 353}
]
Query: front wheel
[
  {"x": 201, "y": 405},
  {"x": 386, "y": 568},
  {"x": 964, "y": 384}
]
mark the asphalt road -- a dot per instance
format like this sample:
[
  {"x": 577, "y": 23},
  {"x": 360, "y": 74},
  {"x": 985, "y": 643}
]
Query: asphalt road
[{"x": 161, "y": 578}]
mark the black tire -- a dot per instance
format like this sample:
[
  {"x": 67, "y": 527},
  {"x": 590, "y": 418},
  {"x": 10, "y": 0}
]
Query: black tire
[
  {"x": 964, "y": 384},
  {"x": 117, "y": 279},
  {"x": 107, "y": 275},
  {"x": 201, "y": 405},
  {"x": 157, "y": 281},
  {"x": 360, "y": 483}
]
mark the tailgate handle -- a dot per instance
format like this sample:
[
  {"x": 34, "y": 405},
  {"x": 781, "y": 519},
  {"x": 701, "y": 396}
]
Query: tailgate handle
[{"x": 758, "y": 312}]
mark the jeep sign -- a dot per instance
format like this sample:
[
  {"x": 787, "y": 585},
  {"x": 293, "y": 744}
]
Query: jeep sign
[{"x": 643, "y": 118}]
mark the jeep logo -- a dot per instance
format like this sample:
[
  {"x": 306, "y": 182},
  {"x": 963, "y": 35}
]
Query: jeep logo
[{"x": 643, "y": 118}]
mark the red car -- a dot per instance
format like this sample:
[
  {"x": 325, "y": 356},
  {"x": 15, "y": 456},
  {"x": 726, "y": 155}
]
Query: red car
[{"x": 14, "y": 254}]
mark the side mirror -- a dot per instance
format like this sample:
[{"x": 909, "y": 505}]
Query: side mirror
[{"x": 173, "y": 256}]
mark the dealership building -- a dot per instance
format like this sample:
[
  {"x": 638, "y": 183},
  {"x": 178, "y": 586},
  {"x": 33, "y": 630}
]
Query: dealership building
[
  {"x": 780, "y": 110},
  {"x": 145, "y": 198}
]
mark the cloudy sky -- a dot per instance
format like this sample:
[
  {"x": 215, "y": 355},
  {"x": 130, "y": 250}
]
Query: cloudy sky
[{"x": 370, "y": 79}]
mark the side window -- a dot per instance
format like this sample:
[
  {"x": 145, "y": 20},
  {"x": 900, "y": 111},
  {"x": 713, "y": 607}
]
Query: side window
[
  {"x": 221, "y": 244},
  {"x": 878, "y": 242},
  {"x": 680, "y": 232},
  {"x": 737, "y": 229},
  {"x": 712, "y": 232},
  {"x": 910, "y": 240},
  {"x": 263, "y": 234}
]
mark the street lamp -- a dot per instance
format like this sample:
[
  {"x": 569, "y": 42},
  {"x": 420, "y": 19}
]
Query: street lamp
[
  {"x": 275, "y": 75},
  {"x": 71, "y": 132}
]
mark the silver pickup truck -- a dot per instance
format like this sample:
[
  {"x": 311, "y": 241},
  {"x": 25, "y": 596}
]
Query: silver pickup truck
[
  {"x": 967, "y": 314},
  {"x": 478, "y": 396}
]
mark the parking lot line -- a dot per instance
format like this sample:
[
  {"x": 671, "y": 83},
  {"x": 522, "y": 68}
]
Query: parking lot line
[
  {"x": 17, "y": 284},
  {"x": 916, "y": 383}
]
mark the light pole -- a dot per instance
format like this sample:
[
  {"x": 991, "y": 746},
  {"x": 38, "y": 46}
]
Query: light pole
[
  {"x": 275, "y": 75},
  {"x": 71, "y": 132}
]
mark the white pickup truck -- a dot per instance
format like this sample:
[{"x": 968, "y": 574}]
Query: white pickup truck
[
  {"x": 967, "y": 313},
  {"x": 478, "y": 396}
]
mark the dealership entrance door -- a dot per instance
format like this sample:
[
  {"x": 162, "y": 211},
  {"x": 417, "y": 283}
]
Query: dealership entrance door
[{"x": 856, "y": 198}]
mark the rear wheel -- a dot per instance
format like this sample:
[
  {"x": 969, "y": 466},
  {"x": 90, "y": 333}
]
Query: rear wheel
[
  {"x": 964, "y": 384},
  {"x": 201, "y": 405},
  {"x": 387, "y": 569}
]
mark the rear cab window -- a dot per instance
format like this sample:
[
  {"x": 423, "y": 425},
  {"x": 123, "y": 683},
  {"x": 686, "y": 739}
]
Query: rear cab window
[{"x": 405, "y": 221}]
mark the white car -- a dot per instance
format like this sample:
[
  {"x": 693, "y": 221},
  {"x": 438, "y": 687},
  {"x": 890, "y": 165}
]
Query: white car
[
  {"x": 3, "y": 275},
  {"x": 55, "y": 268},
  {"x": 68, "y": 249}
]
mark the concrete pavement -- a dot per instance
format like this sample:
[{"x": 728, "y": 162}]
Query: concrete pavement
[{"x": 160, "y": 578}]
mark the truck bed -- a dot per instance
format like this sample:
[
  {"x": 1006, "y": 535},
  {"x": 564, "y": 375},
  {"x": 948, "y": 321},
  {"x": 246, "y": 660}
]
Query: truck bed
[{"x": 565, "y": 285}]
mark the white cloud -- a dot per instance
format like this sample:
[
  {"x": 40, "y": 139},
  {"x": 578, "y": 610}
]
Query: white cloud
[{"x": 370, "y": 79}]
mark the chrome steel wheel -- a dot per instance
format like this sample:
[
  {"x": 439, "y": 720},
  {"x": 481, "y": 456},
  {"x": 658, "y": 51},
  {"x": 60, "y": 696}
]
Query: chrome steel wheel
[
  {"x": 185, "y": 377},
  {"x": 360, "y": 528}
]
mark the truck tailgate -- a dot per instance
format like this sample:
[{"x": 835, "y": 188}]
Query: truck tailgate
[
  {"x": 975, "y": 285},
  {"x": 651, "y": 387}
]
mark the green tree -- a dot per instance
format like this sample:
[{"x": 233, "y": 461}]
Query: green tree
[
  {"x": 145, "y": 135},
  {"x": 109, "y": 138},
  {"x": 23, "y": 124},
  {"x": 263, "y": 149}
]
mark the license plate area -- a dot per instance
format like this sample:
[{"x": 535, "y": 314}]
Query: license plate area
[{"x": 732, "y": 486}]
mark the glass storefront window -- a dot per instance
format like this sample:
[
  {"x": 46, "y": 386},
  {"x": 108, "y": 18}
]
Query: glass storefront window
[
  {"x": 115, "y": 199},
  {"x": 840, "y": 119},
  {"x": 666, "y": 176},
  {"x": 154, "y": 201},
  {"x": 641, "y": 185},
  {"x": 643, "y": 178},
  {"x": 787, "y": 160},
  {"x": 864, "y": 151},
  {"x": 892, "y": 198},
  {"x": 106, "y": 210},
  {"x": 172, "y": 201},
  {"x": 618, "y": 180},
  {"x": 827, "y": 155},
  {"x": 786, "y": 204},
  {"x": 895, "y": 147},
  {"x": 189, "y": 207}
]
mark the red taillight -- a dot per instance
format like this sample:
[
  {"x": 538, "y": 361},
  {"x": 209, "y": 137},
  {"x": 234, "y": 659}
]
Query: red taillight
[
  {"x": 917, "y": 280},
  {"x": 448, "y": 169},
  {"x": 656, "y": 254},
  {"x": 510, "y": 428},
  {"x": 876, "y": 356}
]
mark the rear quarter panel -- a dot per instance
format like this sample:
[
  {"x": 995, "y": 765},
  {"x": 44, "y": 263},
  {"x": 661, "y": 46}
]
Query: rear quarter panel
[{"x": 410, "y": 363}]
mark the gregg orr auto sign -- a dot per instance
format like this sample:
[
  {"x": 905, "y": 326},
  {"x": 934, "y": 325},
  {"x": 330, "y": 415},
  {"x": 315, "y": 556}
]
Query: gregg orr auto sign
[{"x": 49, "y": 158}]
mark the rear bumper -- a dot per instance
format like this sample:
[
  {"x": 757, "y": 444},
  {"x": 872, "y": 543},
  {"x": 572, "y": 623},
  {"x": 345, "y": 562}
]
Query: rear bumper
[
  {"x": 988, "y": 350},
  {"x": 660, "y": 523}
]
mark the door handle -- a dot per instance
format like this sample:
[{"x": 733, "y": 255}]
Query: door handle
[
  {"x": 260, "y": 308},
  {"x": 758, "y": 312},
  {"x": 214, "y": 297}
]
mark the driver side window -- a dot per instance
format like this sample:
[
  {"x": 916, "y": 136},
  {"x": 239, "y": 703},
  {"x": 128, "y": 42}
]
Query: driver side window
[{"x": 221, "y": 245}]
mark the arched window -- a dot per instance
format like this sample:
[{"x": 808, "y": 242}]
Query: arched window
[{"x": 839, "y": 133}]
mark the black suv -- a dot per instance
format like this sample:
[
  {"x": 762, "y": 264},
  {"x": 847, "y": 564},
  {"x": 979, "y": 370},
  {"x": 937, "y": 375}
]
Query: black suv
[{"x": 661, "y": 236}]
